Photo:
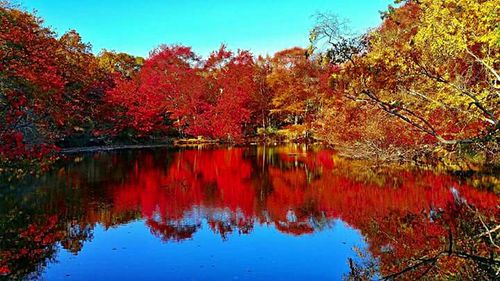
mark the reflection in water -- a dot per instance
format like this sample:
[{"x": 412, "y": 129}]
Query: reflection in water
[{"x": 414, "y": 223}]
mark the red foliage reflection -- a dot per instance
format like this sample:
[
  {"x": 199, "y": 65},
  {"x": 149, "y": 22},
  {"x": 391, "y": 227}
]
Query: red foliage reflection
[
  {"x": 402, "y": 214},
  {"x": 297, "y": 191}
]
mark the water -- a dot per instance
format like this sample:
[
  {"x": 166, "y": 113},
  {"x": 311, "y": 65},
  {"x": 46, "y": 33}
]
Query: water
[{"x": 252, "y": 213}]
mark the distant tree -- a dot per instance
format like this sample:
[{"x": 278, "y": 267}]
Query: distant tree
[
  {"x": 127, "y": 66},
  {"x": 294, "y": 80},
  {"x": 166, "y": 90},
  {"x": 230, "y": 86}
]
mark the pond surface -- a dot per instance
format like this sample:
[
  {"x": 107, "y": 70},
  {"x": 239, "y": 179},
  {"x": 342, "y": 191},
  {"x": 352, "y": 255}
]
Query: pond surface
[{"x": 252, "y": 213}]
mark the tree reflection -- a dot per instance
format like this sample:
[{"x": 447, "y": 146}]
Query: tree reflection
[{"x": 417, "y": 224}]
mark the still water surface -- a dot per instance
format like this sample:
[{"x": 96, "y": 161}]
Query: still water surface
[{"x": 252, "y": 213}]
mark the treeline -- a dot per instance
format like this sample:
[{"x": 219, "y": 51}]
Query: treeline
[{"x": 427, "y": 75}]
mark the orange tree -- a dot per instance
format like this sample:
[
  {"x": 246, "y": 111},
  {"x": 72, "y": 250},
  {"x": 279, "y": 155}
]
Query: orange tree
[{"x": 431, "y": 65}]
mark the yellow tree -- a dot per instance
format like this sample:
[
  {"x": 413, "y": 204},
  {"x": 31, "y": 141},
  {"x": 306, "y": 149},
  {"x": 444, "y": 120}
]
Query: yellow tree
[
  {"x": 124, "y": 64},
  {"x": 433, "y": 65},
  {"x": 295, "y": 81}
]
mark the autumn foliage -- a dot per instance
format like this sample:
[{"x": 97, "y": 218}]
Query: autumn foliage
[
  {"x": 431, "y": 66},
  {"x": 431, "y": 82},
  {"x": 426, "y": 76}
]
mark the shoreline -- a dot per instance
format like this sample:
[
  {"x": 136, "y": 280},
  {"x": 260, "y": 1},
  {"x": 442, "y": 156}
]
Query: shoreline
[
  {"x": 178, "y": 143},
  {"x": 88, "y": 149}
]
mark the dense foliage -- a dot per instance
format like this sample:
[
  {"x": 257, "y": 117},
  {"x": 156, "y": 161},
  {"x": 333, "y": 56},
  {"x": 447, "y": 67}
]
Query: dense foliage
[
  {"x": 428, "y": 72},
  {"x": 431, "y": 65}
]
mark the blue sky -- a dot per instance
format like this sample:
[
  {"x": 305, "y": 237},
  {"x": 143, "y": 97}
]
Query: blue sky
[{"x": 138, "y": 26}]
